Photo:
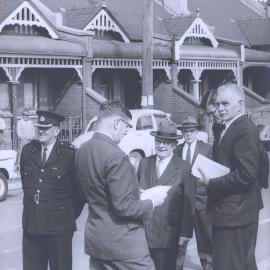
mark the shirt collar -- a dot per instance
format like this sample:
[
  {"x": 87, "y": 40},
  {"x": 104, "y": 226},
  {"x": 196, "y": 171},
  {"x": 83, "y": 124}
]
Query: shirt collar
[{"x": 228, "y": 123}]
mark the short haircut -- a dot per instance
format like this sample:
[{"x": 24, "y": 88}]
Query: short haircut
[
  {"x": 234, "y": 89},
  {"x": 113, "y": 108}
]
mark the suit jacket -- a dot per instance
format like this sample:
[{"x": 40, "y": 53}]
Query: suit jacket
[
  {"x": 114, "y": 228},
  {"x": 53, "y": 186},
  {"x": 235, "y": 199},
  {"x": 174, "y": 217},
  {"x": 204, "y": 149}
]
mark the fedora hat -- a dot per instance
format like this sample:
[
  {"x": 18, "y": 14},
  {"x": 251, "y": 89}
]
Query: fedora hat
[
  {"x": 166, "y": 131},
  {"x": 189, "y": 122}
]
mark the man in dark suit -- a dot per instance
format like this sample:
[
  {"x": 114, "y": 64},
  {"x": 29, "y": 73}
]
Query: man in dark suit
[
  {"x": 114, "y": 233},
  {"x": 189, "y": 151},
  {"x": 52, "y": 197},
  {"x": 235, "y": 198},
  {"x": 174, "y": 218}
]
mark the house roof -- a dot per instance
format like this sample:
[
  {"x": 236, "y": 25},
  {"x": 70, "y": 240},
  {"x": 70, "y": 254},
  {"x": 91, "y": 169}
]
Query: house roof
[
  {"x": 116, "y": 49},
  {"x": 37, "y": 45},
  {"x": 222, "y": 14},
  {"x": 257, "y": 31},
  {"x": 256, "y": 56}
]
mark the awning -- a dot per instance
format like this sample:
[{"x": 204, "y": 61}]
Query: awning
[
  {"x": 116, "y": 49},
  {"x": 205, "y": 52},
  {"x": 36, "y": 45},
  {"x": 256, "y": 56}
]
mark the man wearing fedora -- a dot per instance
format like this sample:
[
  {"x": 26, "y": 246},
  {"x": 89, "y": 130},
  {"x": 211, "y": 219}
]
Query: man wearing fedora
[
  {"x": 188, "y": 151},
  {"x": 174, "y": 218},
  {"x": 52, "y": 197},
  {"x": 25, "y": 131}
]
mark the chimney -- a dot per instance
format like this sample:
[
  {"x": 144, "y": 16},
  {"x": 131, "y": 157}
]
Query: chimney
[{"x": 179, "y": 6}]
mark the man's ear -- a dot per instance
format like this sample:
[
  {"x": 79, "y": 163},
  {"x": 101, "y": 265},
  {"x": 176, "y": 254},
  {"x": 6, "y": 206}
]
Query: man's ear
[
  {"x": 116, "y": 124},
  {"x": 57, "y": 131}
]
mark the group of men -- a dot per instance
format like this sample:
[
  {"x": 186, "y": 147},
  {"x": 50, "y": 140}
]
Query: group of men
[{"x": 125, "y": 231}]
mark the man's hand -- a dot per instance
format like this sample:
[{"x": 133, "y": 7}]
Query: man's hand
[
  {"x": 158, "y": 198},
  {"x": 204, "y": 177},
  {"x": 183, "y": 241}
]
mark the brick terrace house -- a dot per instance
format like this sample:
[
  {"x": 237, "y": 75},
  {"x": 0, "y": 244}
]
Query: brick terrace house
[{"x": 70, "y": 55}]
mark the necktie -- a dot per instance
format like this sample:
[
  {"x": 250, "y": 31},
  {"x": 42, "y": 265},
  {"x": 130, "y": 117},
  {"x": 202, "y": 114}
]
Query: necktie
[
  {"x": 217, "y": 130},
  {"x": 188, "y": 157},
  {"x": 44, "y": 156},
  {"x": 159, "y": 168}
]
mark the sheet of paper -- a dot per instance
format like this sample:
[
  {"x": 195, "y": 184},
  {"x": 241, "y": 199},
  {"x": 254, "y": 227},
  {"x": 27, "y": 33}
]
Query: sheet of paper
[
  {"x": 210, "y": 167},
  {"x": 149, "y": 193}
]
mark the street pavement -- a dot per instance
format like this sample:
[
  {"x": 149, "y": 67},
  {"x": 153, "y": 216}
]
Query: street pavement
[{"x": 11, "y": 236}]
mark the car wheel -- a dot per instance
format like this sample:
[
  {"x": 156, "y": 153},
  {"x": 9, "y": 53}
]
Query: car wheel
[
  {"x": 135, "y": 157},
  {"x": 3, "y": 187}
]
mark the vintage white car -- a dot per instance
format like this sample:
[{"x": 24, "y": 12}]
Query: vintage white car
[
  {"x": 7, "y": 170},
  {"x": 138, "y": 142}
]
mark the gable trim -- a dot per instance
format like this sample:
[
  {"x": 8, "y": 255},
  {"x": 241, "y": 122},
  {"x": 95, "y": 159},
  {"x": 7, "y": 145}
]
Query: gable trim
[
  {"x": 198, "y": 29},
  {"x": 25, "y": 14},
  {"x": 104, "y": 21}
]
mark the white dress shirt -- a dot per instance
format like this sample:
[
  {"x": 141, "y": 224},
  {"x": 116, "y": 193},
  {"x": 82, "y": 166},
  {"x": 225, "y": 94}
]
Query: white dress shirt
[
  {"x": 161, "y": 164},
  {"x": 49, "y": 150}
]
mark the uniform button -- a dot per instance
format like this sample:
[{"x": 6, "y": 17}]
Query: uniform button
[
  {"x": 38, "y": 191},
  {"x": 40, "y": 180},
  {"x": 62, "y": 207},
  {"x": 42, "y": 170}
]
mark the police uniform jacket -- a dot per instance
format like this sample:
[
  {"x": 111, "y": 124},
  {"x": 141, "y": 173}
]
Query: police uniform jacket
[{"x": 52, "y": 195}]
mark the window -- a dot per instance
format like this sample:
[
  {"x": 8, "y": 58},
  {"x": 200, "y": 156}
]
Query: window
[
  {"x": 4, "y": 97},
  {"x": 144, "y": 122},
  {"x": 28, "y": 95}
]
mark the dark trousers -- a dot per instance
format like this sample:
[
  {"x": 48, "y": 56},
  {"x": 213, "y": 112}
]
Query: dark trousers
[
  {"x": 164, "y": 258},
  {"x": 234, "y": 247},
  {"x": 39, "y": 250}
]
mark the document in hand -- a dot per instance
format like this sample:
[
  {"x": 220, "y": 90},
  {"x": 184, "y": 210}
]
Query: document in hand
[
  {"x": 210, "y": 167},
  {"x": 149, "y": 193}
]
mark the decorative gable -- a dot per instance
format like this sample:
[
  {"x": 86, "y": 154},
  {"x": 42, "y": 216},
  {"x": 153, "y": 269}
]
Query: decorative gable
[
  {"x": 26, "y": 15},
  {"x": 198, "y": 29},
  {"x": 103, "y": 21}
]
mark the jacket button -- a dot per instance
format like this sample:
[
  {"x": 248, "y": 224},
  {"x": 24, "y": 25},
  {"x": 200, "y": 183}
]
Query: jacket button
[
  {"x": 38, "y": 191},
  {"x": 42, "y": 170},
  {"x": 62, "y": 207},
  {"x": 40, "y": 180}
]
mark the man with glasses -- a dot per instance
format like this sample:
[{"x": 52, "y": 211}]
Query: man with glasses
[
  {"x": 189, "y": 151},
  {"x": 174, "y": 218},
  {"x": 52, "y": 197},
  {"x": 114, "y": 233}
]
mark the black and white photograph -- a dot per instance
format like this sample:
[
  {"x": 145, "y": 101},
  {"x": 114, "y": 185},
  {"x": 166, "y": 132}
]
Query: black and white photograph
[{"x": 134, "y": 134}]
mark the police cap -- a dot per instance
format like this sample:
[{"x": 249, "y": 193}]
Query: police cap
[{"x": 47, "y": 119}]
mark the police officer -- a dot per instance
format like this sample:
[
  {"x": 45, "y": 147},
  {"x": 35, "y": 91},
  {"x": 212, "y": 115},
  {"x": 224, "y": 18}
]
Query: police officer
[{"x": 52, "y": 197}]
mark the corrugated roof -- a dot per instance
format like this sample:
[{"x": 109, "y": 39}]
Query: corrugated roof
[
  {"x": 256, "y": 56},
  {"x": 222, "y": 15},
  {"x": 39, "y": 46},
  {"x": 256, "y": 31},
  {"x": 204, "y": 52},
  {"x": 116, "y": 49}
]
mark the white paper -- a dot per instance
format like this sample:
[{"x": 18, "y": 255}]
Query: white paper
[
  {"x": 149, "y": 193},
  {"x": 211, "y": 168}
]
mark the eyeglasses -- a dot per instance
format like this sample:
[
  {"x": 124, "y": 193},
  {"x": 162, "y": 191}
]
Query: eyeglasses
[
  {"x": 128, "y": 125},
  {"x": 159, "y": 142}
]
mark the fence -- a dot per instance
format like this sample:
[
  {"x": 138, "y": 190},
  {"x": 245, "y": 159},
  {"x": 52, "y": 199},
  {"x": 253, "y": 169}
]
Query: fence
[{"x": 70, "y": 128}]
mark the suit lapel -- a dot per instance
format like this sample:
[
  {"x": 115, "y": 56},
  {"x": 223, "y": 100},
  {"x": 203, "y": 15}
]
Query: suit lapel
[
  {"x": 36, "y": 155},
  {"x": 230, "y": 128}
]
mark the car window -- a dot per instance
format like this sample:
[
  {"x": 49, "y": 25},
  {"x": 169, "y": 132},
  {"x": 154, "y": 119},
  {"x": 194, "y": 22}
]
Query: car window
[
  {"x": 144, "y": 122},
  {"x": 161, "y": 118}
]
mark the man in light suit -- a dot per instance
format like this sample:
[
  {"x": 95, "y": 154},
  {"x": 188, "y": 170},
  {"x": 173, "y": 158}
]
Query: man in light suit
[
  {"x": 114, "y": 233},
  {"x": 188, "y": 151},
  {"x": 234, "y": 200},
  {"x": 174, "y": 218}
]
